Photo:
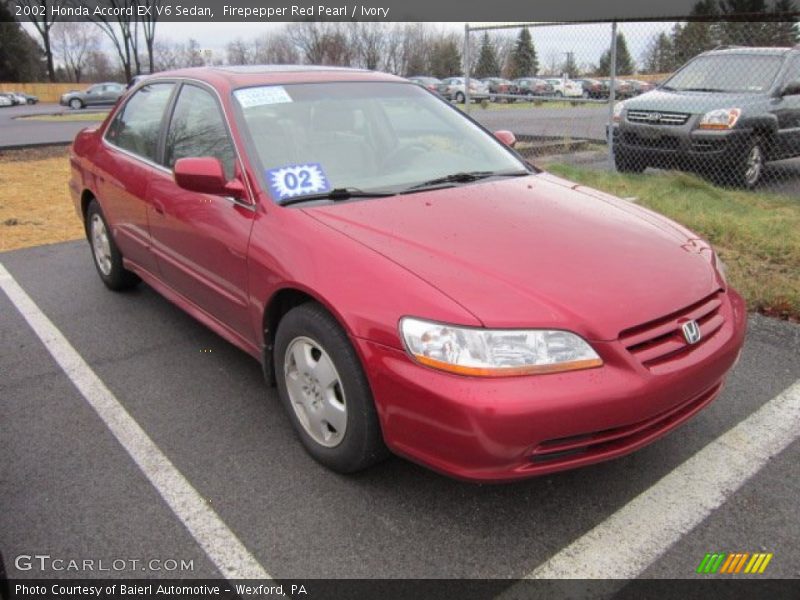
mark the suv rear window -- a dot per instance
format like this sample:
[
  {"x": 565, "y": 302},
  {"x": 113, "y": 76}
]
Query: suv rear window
[{"x": 727, "y": 73}]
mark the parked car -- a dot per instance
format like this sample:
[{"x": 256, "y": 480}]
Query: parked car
[
  {"x": 456, "y": 89},
  {"x": 95, "y": 95},
  {"x": 622, "y": 89},
  {"x": 25, "y": 98},
  {"x": 565, "y": 88},
  {"x": 531, "y": 86},
  {"x": 640, "y": 87},
  {"x": 726, "y": 113},
  {"x": 593, "y": 88},
  {"x": 386, "y": 282},
  {"x": 6, "y": 100},
  {"x": 498, "y": 85},
  {"x": 429, "y": 83}
]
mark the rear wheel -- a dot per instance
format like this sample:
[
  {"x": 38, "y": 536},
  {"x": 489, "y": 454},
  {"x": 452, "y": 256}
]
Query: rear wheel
[
  {"x": 559, "y": 95},
  {"x": 460, "y": 98},
  {"x": 107, "y": 257},
  {"x": 325, "y": 392}
]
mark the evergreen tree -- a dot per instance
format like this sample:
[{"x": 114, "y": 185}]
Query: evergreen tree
[
  {"x": 524, "y": 62},
  {"x": 21, "y": 58},
  {"x": 660, "y": 55},
  {"x": 692, "y": 38},
  {"x": 488, "y": 65},
  {"x": 625, "y": 64},
  {"x": 785, "y": 32},
  {"x": 445, "y": 58}
]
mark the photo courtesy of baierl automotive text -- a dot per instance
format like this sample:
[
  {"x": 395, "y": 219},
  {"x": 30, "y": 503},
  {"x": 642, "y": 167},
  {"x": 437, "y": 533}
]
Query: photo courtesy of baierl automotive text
[{"x": 399, "y": 299}]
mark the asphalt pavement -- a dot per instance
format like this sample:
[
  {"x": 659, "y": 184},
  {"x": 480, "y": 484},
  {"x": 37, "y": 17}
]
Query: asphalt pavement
[
  {"x": 16, "y": 131},
  {"x": 69, "y": 489}
]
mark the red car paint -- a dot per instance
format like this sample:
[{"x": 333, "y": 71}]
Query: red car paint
[{"x": 531, "y": 252}]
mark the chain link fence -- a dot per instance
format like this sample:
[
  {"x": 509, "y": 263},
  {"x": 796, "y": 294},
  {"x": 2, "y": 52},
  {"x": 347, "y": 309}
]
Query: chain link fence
[{"x": 721, "y": 99}]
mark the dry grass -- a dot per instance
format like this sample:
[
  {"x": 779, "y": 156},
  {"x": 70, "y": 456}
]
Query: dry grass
[{"x": 35, "y": 207}]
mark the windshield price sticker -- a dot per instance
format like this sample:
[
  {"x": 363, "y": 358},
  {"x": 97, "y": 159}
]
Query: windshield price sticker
[
  {"x": 262, "y": 96},
  {"x": 297, "y": 180}
]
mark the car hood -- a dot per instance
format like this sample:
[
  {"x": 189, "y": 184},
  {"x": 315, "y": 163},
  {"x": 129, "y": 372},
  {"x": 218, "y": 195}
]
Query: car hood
[
  {"x": 690, "y": 102},
  {"x": 536, "y": 251}
]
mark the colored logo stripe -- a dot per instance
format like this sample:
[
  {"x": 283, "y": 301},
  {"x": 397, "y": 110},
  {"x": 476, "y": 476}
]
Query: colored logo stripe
[{"x": 734, "y": 562}]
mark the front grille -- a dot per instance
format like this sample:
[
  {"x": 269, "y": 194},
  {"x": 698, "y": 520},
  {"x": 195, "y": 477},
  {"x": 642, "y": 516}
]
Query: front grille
[
  {"x": 599, "y": 443},
  {"x": 662, "y": 340},
  {"x": 663, "y": 142},
  {"x": 657, "y": 117}
]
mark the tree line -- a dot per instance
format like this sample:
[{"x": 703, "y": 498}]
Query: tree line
[{"x": 72, "y": 51}]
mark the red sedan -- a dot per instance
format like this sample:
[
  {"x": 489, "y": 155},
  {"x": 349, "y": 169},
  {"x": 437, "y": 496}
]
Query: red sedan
[{"x": 407, "y": 281}]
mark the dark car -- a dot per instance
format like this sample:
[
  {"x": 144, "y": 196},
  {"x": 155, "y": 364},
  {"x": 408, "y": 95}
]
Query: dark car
[
  {"x": 97, "y": 95},
  {"x": 725, "y": 113},
  {"x": 429, "y": 83},
  {"x": 498, "y": 85},
  {"x": 593, "y": 88},
  {"x": 531, "y": 86},
  {"x": 371, "y": 247},
  {"x": 622, "y": 89}
]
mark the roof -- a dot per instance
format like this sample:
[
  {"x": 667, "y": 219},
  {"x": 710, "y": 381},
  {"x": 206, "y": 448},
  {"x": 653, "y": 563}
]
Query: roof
[
  {"x": 775, "y": 51},
  {"x": 242, "y": 76}
]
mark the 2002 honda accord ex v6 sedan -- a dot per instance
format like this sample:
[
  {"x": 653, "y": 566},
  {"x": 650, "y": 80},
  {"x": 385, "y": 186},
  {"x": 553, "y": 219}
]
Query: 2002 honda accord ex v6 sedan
[{"x": 407, "y": 281}]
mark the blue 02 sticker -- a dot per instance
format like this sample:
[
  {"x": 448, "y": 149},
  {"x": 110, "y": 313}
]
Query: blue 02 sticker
[{"x": 297, "y": 180}]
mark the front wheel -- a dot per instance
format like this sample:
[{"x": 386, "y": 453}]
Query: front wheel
[
  {"x": 750, "y": 170},
  {"x": 325, "y": 392},
  {"x": 75, "y": 104},
  {"x": 461, "y": 98},
  {"x": 107, "y": 257}
]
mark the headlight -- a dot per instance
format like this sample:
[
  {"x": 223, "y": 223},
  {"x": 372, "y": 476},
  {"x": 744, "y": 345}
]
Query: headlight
[
  {"x": 722, "y": 118},
  {"x": 618, "y": 108},
  {"x": 495, "y": 353}
]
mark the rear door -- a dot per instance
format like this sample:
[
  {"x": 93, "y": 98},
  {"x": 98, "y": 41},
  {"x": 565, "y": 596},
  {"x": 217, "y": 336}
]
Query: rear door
[
  {"x": 125, "y": 167},
  {"x": 201, "y": 240}
]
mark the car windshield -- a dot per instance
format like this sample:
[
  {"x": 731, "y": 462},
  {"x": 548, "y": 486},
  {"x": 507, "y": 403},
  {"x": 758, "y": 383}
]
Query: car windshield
[
  {"x": 727, "y": 73},
  {"x": 364, "y": 136}
]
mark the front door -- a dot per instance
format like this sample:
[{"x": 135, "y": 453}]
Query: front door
[{"x": 201, "y": 240}]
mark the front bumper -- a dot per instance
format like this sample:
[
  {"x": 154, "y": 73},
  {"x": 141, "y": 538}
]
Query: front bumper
[
  {"x": 670, "y": 146},
  {"x": 490, "y": 430}
]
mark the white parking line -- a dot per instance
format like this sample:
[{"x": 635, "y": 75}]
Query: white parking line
[
  {"x": 221, "y": 545},
  {"x": 631, "y": 539}
]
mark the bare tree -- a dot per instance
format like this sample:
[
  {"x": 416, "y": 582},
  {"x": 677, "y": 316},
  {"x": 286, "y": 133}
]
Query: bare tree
[
  {"x": 240, "y": 53},
  {"x": 149, "y": 21},
  {"x": 322, "y": 43},
  {"x": 72, "y": 42},
  {"x": 123, "y": 31},
  {"x": 276, "y": 49},
  {"x": 98, "y": 67},
  {"x": 43, "y": 21},
  {"x": 369, "y": 40},
  {"x": 166, "y": 55}
]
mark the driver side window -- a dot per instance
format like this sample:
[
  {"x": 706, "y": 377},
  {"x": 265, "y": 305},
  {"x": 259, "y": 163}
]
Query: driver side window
[{"x": 197, "y": 129}]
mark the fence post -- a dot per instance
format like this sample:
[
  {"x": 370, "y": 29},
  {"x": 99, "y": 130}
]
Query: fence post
[
  {"x": 467, "y": 99},
  {"x": 612, "y": 94}
]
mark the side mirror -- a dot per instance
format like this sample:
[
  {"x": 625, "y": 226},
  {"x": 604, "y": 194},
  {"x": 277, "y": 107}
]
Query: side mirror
[
  {"x": 792, "y": 88},
  {"x": 508, "y": 138},
  {"x": 205, "y": 175}
]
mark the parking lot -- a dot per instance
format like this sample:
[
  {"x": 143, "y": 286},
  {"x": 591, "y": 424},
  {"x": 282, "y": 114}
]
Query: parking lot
[
  {"x": 16, "y": 131},
  {"x": 71, "y": 488}
]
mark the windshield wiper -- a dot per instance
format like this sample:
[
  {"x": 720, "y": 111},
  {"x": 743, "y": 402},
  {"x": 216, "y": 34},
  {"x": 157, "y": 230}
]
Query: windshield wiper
[
  {"x": 463, "y": 177},
  {"x": 336, "y": 195}
]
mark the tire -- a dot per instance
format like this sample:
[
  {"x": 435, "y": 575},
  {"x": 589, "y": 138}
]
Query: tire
[
  {"x": 325, "y": 392},
  {"x": 559, "y": 95},
  {"x": 585, "y": 95},
  {"x": 492, "y": 98},
  {"x": 625, "y": 163},
  {"x": 76, "y": 104},
  {"x": 461, "y": 98},
  {"x": 748, "y": 170},
  {"x": 106, "y": 255}
]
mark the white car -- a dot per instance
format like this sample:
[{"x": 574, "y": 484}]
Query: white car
[
  {"x": 566, "y": 88},
  {"x": 5, "y": 100}
]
